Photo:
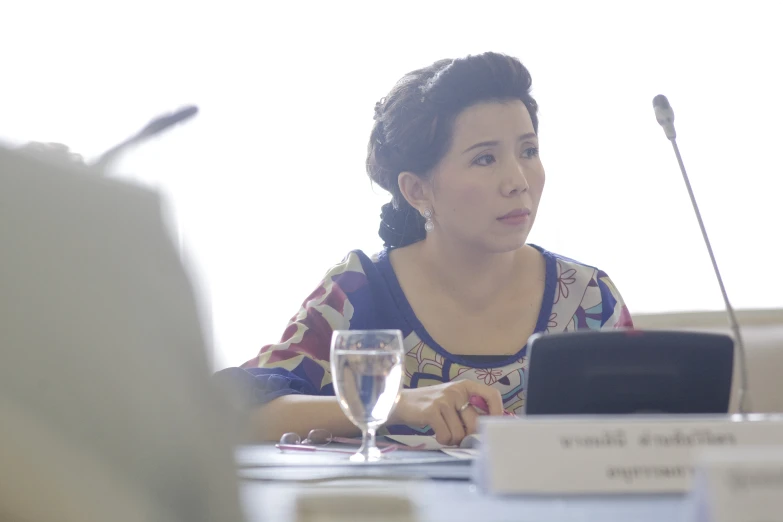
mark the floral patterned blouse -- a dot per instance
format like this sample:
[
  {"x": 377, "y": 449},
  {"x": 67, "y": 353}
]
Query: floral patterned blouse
[{"x": 363, "y": 293}]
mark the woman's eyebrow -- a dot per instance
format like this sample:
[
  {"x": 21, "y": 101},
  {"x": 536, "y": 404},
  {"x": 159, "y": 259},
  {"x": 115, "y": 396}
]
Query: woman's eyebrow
[{"x": 496, "y": 142}]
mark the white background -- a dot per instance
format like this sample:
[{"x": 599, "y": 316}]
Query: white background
[{"x": 268, "y": 181}]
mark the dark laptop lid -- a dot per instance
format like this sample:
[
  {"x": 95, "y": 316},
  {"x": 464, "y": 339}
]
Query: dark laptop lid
[{"x": 629, "y": 371}]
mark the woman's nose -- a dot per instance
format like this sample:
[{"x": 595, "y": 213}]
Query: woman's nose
[{"x": 516, "y": 180}]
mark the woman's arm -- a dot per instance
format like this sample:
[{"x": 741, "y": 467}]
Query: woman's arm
[
  {"x": 287, "y": 387},
  {"x": 297, "y": 414},
  {"x": 438, "y": 406}
]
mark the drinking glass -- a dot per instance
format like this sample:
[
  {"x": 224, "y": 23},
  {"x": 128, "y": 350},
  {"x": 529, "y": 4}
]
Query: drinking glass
[{"x": 367, "y": 376}]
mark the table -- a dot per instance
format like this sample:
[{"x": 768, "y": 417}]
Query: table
[{"x": 449, "y": 496}]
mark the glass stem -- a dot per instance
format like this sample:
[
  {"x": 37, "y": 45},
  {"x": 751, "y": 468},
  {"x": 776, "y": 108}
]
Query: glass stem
[{"x": 368, "y": 442}]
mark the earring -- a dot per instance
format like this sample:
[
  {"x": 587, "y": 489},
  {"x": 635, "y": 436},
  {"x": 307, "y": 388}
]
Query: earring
[{"x": 428, "y": 225}]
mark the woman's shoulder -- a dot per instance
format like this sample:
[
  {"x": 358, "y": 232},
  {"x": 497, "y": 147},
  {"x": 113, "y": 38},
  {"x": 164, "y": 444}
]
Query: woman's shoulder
[
  {"x": 583, "y": 295},
  {"x": 357, "y": 271},
  {"x": 355, "y": 262},
  {"x": 570, "y": 265},
  {"x": 362, "y": 284}
]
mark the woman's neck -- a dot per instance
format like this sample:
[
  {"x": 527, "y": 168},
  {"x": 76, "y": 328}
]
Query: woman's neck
[{"x": 472, "y": 278}]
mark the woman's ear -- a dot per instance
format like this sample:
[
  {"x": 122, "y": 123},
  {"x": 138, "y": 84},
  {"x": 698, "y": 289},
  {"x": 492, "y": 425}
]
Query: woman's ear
[{"x": 415, "y": 190}]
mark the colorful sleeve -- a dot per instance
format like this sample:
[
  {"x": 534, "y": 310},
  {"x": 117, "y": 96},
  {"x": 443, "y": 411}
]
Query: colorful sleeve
[
  {"x": 615, "y": 312},
  {"x": 299, "y": 363}
]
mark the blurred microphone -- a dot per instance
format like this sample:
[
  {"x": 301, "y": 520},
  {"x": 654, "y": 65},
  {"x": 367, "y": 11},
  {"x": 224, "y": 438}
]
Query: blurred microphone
[
  {"x": 665, "y": 116},
  {"x": 153, "y": 128}
]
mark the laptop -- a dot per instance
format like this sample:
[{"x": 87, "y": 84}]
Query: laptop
[
  {"x": 108, "y": 411},
  {"x": 629, "y": 371}
]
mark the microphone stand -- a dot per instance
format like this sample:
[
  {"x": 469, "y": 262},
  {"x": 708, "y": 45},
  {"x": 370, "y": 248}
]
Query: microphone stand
[
  {"x": 666, "y": 120},
  {"x": 153, "y": 128}
]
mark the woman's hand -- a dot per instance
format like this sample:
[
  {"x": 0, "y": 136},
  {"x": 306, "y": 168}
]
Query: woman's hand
[{"x": 442, "y": 407}]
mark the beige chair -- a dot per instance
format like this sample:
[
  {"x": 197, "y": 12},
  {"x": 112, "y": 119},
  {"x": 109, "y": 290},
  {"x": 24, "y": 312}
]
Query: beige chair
[{"x": 762, "y": 331}]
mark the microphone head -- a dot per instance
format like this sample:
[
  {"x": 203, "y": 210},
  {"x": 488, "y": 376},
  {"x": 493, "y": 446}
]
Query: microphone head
[
  {"x": 162, "y": 123},
  {"x": 661, "y": 101},
  {"x": 665, "y": 115}
]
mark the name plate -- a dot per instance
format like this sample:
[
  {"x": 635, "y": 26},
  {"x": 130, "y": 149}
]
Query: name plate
[
  {"x": 613, "y": 454},
  {"x": 740, "y": 485}
]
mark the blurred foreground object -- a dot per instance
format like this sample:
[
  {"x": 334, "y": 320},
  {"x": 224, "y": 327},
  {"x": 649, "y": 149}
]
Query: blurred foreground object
[
  {"x": 52, "y": 152},
  {"x": 105, "y": 396}
]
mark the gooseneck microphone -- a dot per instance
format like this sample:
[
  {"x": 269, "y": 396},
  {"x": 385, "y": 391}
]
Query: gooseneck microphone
[
  {"x": 665, "y": 116},
  {"x": 153, "y": 128}
]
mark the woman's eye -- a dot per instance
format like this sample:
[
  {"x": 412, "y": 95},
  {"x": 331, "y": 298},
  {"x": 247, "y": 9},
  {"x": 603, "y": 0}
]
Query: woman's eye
[
  {"x": 530, "y": 152},
  {"x": 485, "y": 160}
]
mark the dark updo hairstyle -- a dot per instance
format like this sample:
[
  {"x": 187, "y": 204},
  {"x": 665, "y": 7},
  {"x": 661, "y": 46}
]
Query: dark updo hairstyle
[{"x": 414, "y": 124}]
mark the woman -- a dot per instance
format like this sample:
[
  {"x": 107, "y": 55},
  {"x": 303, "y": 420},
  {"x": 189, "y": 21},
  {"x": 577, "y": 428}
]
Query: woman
[{"x": 456, "y": 145}]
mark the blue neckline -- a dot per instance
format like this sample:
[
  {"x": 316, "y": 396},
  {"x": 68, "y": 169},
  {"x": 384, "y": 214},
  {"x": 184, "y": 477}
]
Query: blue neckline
[{"x": 547, "y": 301}]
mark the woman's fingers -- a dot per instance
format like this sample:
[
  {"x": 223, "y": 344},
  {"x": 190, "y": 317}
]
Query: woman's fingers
[
  {"x": 440, "y": 407},
  {"x": 454, "y": 423},
  {"x": 440, "y": 427},
  {"x": 489, "y": 394},
  {"x": 470, "y": 419}
]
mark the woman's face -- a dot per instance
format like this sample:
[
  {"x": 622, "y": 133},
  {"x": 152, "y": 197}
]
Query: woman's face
[{"x": 485, "y": 191}]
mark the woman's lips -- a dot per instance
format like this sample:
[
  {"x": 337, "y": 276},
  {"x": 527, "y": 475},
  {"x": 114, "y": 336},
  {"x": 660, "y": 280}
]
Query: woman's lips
[{"x": 516, "y": 217}]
